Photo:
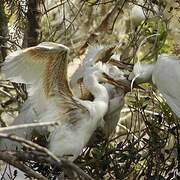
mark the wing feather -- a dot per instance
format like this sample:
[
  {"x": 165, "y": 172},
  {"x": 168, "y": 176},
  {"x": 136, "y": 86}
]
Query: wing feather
[
  {"x": 24, "y": 66},
  {"x": 59, "y": 92},
  {"x": 166, "y": 77},
  {"x": 44, "y": 69},
  {"x": 50, "y": 98}
]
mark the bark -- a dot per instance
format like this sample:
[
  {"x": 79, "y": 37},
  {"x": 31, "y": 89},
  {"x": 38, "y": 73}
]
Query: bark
[
  {"x": 106, "y": 25},
  {"x": 33, "y": 28},
  {"x": 3, "y": 32}
]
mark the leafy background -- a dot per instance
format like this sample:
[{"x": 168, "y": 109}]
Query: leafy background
[{"x": 145, "y": 144}]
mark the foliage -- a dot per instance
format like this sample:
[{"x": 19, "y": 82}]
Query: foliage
[{"x": 145, "y": 145}]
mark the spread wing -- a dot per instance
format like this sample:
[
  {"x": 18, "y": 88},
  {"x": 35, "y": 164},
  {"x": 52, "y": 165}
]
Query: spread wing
[
  {"x": 44, "y": 69},
  {"x": 166, "y": 77},
  {"x": 24, "y": 66},
  {"x": 62, "y": 105},
  {"x": 28, "y": 66}
]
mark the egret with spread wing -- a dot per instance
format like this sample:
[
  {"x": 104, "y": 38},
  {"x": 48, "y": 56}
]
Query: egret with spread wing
[
  {"x": 51, "y": 99},
  {"x": 28, "y": 66},
  {"x": 78, "y": 118},
  {"x": 165, "y": 75}
]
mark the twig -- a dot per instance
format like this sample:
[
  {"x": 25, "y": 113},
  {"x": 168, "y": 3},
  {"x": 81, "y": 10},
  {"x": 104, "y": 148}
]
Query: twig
[
  {"x": 79, "y": 11},
  {"x": 119, "y": 11},
  {"x": 30, "y": 144},
  {"x": 4, "y": 171},
  {"x": 6, "y": 93},
  {"x": 60, "y": 162},
  {"x": 12, "y": 42},
  {"x": 10, "y": 159},
  {"x": 131, "y": 133},
  {"x": 54, "y": 7},
  {"x": 113, "y": 13},
  {"x": 42, "y": 157},
  {"x": 30, "y": 125}
]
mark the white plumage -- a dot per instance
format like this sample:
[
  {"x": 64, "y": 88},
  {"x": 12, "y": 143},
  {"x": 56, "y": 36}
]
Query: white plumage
[
  {"x": 44, "y": 69},
  {"x": 77, "y": 125},
  {"x": 95, "y": 56},
  {"x": 165, "y": 75},
  {"x": 27, "y": 66}
]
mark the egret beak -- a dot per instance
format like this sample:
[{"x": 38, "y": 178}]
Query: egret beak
[
  {"x": 122, "y": 84},
  {"x": 105, "y": 54},
  {"x": 132, "y": 77},
  {"x": 120, "y": 65}
]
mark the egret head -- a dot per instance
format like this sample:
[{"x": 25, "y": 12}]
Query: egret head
[
  {"x": 95, "y": 70},
  {"x": 141, "y": 73},
  {"x": 112, "y": 76}
]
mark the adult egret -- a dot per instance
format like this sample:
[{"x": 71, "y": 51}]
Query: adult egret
[
  {"x": 164, "y": 74},
  {"x": 44, "y": 69}
]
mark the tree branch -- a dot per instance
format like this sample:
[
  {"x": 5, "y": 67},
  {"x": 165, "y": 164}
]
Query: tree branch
[
  {"x": 33, "y": 29},
  {"x": 30, "y": 125},
  {"x": 3, "y": 31},
  {"x": 59, "y": 162},
  {"x": 105, "y": 26},
  {"x": 11, "y": 159}
]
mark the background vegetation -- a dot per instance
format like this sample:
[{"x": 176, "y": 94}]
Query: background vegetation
[{"x": 146, "y": 142}]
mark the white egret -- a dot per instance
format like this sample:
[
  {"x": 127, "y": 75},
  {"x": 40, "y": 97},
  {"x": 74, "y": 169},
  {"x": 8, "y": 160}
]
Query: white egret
[
  {"x": 28, "y": 66},
  {"x": 164, "y": 74},
  {"x": 95, "y": 56},
  {"x": 80, "y": 119},
  {"x": 44, "y": 69}
]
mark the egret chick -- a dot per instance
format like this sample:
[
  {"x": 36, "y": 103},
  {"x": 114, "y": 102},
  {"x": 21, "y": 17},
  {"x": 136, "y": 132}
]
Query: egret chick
[
  {"x": 28, "y": 66},
  {"x": 94, "y": 58},
  {"x": 44, "y": 69},
  {"x": 81, "y": 119},
  {"x": 77, "y": 118}
]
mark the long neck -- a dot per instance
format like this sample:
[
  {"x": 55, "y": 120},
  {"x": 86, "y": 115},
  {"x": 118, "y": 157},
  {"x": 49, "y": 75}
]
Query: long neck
[
  {"x": 145, "y": 73},
  {"x": 96, "y": 89},
  {"x": 149, "y": 70}
]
